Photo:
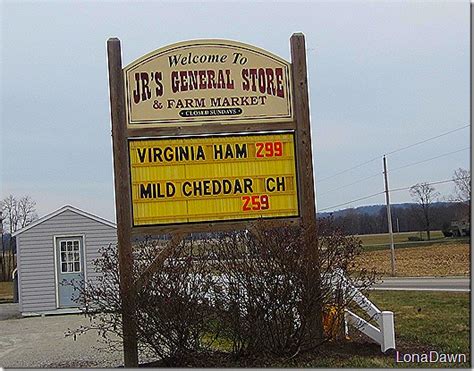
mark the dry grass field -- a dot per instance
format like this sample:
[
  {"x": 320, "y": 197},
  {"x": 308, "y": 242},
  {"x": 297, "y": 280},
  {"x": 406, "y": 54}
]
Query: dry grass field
[
  {"x": 436, "y": 260},
  {"x": 384, "y": 238}
]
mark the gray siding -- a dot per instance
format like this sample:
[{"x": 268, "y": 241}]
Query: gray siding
[{"x": 36, "y": 256}]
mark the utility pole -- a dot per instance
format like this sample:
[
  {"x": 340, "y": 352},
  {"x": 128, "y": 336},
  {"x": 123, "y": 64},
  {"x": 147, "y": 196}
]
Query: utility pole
[
  {"x": 1, "y": 230},
  {"x": 2, "y": 256},
  {"x": 389, "y": 215}
]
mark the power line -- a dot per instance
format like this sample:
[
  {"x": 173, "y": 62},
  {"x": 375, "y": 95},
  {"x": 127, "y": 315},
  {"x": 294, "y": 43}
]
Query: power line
[
  {"x": 346, "y": 203},
  {"x": 391, "y": 190},
  {"x": 347, "y": 185},
  {"x": 345, "y": 171},
  {"x": 429, "y": 159},
  {"x": 395, "y": 169},
  {"x": 431, "y": 183},
  {"x": 427, "y": 140},
  {"x": 391, "y": 152}
]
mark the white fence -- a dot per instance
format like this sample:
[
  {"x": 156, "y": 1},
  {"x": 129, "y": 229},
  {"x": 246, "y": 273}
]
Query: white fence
[{"x": 385, "y": 333}]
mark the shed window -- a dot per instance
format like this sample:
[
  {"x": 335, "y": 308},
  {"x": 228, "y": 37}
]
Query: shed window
[{"x": 70, "y": 256}]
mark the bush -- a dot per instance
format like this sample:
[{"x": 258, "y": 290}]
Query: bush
[
  {"x": 172, "y": 312},
  {"x": 272, "y": 296},
  {"x": 254, "y": 290},
  {"x": 260, "y": 295}
]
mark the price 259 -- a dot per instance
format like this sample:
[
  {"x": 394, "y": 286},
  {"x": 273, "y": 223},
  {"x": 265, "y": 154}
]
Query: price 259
[{"x": 255, "y": 202}]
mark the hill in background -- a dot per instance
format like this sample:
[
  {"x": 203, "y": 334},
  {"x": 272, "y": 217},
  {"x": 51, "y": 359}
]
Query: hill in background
[
  {"x": 406, "y": 217},
  {"x": 375, "y": 209}
]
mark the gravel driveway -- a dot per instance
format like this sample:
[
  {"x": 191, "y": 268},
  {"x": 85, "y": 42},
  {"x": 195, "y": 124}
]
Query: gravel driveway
[{"x": 40, "y": 342}]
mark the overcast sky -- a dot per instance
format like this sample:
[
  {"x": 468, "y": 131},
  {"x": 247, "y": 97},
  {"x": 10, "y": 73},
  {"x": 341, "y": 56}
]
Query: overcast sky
[{"x": 382, "y": 75}]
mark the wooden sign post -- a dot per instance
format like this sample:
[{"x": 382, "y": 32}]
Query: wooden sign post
[
  {"x": 122, "y": 201},
  {"x": 208, "y": 135},
  {"x": 305, "y": 170}
]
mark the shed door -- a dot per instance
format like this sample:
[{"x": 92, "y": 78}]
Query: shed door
[{"x": 70, "y": 269}]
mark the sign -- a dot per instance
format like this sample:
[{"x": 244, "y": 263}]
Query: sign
[
  {"x": 162, "y": 183},
  {"x": 212, "y": 178},
  {"x": 201, "y": 81}
]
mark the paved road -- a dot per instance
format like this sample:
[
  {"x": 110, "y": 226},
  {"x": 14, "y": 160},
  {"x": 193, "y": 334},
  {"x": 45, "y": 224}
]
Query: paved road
[{"x": 460, "y": 284}]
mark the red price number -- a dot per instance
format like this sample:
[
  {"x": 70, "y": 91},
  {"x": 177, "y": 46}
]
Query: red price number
[
  {"x": 256, "y": 202},
  {"x": 269, "y": 149}
]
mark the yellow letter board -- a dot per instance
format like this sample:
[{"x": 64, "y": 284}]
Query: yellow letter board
[{"x": 212, "y": 178}]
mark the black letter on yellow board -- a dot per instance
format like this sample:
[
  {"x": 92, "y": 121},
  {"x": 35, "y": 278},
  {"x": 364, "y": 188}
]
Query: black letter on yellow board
[
  {"x": 170, "y": 189},
  {"x": 185, "y": 192},
  {"x": 241, "y": 152},
  {"x": 268, "y": 187},
  {"x": 217, "y": 152},
  {"x": 248, "y": 185},
  {"x": 200, "y": 154},
  {"x": 280, "y": 183},
  {"x": 237, "y": 186},
  {"x": 228, "y": 152},
  {"x": 145, "y": 192},
  {"x": 141, "y": 155},
  {"x": 227, "y": 185},
  {"x": 197, "y": 188},
  {"x": 216, "y": 187}
]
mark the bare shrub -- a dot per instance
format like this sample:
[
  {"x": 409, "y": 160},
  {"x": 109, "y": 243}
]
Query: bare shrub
[
  {"x": 172, "y": 313},
  {"x": 341, "y": 274},
  {"x": 254, "y": 290},
  {"x": 269, "y": 299},
  {"x": 259, "y": 290}
]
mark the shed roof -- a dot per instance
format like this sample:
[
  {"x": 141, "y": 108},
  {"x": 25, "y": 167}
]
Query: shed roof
[{"x": 61, "y": 210}]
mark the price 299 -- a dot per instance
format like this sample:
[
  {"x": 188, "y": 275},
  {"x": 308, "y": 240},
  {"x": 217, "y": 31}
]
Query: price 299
[{"x": 269, "y": 149}]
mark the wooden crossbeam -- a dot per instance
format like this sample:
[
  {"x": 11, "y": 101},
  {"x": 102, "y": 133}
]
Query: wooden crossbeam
[{"x": 169, "y": 249}]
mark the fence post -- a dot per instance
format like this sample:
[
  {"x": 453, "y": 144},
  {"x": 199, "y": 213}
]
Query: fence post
[{"x": 388, "y": 330}]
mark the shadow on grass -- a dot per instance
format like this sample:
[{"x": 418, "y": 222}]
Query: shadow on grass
[{"x": 358, "y": 352}]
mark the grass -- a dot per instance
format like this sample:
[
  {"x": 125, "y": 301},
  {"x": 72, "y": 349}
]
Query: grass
[
  {"x": 424, "y": 321},
  {"x": 6, "y": 292},
  {"x": 436, "y": 320},
  {"x": 437, "y": 260},
  {"x": 401, "y": 245},
  {"x": 384, "y": 238},
  {"x": 374, "y": 242}
]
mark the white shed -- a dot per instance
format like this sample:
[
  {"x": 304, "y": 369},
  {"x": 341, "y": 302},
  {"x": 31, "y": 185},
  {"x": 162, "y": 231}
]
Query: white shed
[{"x": 59, "y": 246}]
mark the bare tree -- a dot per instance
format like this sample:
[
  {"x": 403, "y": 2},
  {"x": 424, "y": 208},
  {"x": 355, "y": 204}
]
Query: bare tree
[
  {"x": 462, "y": 189},
  {"x": 424, "y": 194},
  {"x": 462, "y": 181},
  {"x": 17, "y": 213}
]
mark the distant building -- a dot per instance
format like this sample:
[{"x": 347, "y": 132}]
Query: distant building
[{"x": 55, "y": 249}]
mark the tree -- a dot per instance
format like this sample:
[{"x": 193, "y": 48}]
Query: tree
[
  {"x": 462, "y": 189},
  {"x": 424, "y": 194},
  {"x": 17, "y": 213}
]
